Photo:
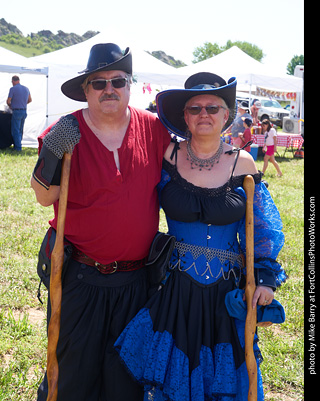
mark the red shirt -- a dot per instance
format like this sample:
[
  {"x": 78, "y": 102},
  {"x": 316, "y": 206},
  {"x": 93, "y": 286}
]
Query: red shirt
[
  {"x": 113, "y": 215},
  {"x": 247, "y": 138}
]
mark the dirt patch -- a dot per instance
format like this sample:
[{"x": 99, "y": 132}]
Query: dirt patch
[
  {"x": 35, "y": 315},
  {"x": 272, "y": 395}
]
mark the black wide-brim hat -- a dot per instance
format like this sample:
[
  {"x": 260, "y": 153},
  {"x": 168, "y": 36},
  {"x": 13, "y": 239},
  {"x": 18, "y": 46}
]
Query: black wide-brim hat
[
  {"x": 103, "y": 57},
  {"x": 171, "y": 102}
]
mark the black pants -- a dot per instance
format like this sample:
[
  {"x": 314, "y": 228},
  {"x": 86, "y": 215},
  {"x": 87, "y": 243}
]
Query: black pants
[{"x": 95, "y": 309}]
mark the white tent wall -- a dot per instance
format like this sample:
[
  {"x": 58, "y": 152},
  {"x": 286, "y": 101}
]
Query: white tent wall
[
  {"x": 36, "y": 110},
  {"x": 34, "y": 76},
  {"x": 58, "y": 103}
]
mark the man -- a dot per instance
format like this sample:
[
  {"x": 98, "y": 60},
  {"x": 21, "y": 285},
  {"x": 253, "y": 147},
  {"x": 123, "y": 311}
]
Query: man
[
  {"x": 112, "y": 217},
  {"x": 18, "y": 98},
  {"x": 254, "y": 112},
  {"x": 237, "y": 126}
]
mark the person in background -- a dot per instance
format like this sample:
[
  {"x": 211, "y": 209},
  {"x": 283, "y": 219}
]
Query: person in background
[
  {"x": 237, "y": 126},
  {"x": 184, "y": 344},
  {"x": 270, "y": 146},
  {"x": 112, "y": 217},
  {"x": 18, "y": 98},
  {"x": 246, "y": 135},
  {"x": 254, "y": 111}
]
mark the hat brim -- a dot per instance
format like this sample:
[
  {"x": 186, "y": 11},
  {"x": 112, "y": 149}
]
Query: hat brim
[
  {"x": 171, "y": 102},
  {"x": 73, "y": 89}
]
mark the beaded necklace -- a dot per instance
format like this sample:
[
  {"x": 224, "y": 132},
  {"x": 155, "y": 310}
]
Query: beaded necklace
[{"x": 206, "y": 164}]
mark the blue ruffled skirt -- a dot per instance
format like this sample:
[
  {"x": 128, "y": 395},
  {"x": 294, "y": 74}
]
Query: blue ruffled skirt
[{"x": 184, "y": 346}]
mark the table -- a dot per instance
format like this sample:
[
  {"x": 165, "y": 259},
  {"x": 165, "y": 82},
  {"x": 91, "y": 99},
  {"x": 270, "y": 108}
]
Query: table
[
  {"x": 293, "y": 141},
  {"x": 6, "y": 139}
]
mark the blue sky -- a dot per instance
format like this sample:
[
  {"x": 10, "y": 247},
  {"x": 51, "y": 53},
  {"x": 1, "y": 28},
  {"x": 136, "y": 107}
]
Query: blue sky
[{"x": 276, "y": 26}]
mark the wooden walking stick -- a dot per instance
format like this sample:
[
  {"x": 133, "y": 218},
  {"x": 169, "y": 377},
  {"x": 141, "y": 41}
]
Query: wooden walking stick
[
  {"x": 57, "y": 258},
  {"x": 66, "y": 130},
  {"x": 251, "y": 320}
]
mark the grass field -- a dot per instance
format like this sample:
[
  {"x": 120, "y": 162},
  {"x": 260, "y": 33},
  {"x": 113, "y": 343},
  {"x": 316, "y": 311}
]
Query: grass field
[{"x": 23, "y": 224}]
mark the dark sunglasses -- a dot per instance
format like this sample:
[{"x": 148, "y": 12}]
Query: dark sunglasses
[
  {"x": 194, "y": 110},
  {"x": 100, "y": 84}
]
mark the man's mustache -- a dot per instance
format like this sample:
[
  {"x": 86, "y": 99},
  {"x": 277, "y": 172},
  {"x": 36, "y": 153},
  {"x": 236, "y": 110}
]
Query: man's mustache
[{"x": 107, "y": 97}]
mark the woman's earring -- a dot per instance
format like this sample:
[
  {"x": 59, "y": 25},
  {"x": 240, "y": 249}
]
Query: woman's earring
[{"x": 188, "y": 134}]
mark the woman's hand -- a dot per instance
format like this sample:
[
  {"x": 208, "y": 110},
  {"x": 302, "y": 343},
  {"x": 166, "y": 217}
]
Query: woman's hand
[{"x": 262, "y": 296}]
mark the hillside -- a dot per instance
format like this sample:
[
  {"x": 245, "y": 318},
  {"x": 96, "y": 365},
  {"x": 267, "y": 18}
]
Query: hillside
[
  {"x": 37, "y": 43},
  {"x": 45, "y": 41},
  {"x": 161, "y": 55}
]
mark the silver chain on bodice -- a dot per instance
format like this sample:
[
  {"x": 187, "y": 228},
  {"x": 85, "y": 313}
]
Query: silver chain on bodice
[{"x": 209, "y": 253}]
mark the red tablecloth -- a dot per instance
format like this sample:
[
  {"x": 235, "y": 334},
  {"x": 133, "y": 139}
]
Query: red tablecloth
[{"x": 286, "y": 140}]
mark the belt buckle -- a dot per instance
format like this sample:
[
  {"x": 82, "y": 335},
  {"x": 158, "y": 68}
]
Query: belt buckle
[{"x": 115, "y": 267}]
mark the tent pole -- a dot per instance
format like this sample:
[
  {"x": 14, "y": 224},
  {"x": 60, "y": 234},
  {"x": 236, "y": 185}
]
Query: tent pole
[
  {"x": 47, "y": 106},
  {"x": 250, "y": 90}
]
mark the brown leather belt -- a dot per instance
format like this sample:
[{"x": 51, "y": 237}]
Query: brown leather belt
[{"x": 128, "y": 265}]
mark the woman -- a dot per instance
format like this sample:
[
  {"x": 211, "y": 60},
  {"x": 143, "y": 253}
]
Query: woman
[
  {"x": 184, "y": 345},
  {"x": 270, "y": 146}
]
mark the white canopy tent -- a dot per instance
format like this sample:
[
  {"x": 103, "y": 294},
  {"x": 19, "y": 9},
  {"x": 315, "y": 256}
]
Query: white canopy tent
[
  {"x": 45, "y": 74},
  {"x": 249, "y": 72},
  {"x": 68, "y": 62},
  {"x": 34, "y": 76}
]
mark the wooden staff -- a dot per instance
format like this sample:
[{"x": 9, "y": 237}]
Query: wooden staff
[
  {"x": 57, "y": 258},
  {"x": 251, "y": 320}
]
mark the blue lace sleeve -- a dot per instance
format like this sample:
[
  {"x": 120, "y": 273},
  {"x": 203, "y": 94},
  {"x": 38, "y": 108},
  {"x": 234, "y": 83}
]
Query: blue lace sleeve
[{"x": 268, "y": 235}]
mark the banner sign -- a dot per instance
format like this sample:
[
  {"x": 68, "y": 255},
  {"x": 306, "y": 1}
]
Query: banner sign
[{"x": 279, "y": 95}]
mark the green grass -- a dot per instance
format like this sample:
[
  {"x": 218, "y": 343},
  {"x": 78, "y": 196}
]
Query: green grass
[
  {"x": 23, "y": 224},
  {"x": 23, "y": 51},
  {"x": 283, "y": 345}
]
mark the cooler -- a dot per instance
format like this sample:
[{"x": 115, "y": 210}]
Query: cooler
[{"x": 254, "y": 151}]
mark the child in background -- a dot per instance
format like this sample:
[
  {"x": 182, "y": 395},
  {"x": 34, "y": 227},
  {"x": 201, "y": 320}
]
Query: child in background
[
  {"x": 270, "y": 146},
  {"x": 246, "y": 135}
]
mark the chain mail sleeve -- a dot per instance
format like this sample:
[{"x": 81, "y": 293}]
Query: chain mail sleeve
[{"x": 61, "y": 139}]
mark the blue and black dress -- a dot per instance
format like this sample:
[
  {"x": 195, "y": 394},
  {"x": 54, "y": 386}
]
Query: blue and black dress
[{"x": 183, "y": 345}]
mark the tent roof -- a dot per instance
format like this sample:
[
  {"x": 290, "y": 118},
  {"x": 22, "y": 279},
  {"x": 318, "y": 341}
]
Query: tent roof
[
  {"x": 15, "y": 63},
  {"x": 145, "y": 67},
  {"x": 248, "y": 71},
  {"x": 227, "y": 64}
]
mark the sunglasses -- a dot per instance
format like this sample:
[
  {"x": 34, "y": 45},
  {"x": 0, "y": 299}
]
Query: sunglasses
[
  {"x": 100, "y": 84},
  {"x": 213, "y": 109}
]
